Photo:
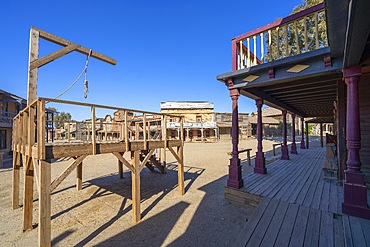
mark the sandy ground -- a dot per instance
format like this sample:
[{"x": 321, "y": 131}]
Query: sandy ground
[{"x": 100, "y": 214}]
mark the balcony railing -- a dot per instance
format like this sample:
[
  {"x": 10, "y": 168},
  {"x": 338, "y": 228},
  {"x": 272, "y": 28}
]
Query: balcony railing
[
  {"x": 298, "y": 33},
  {"x": 6, "y": 119},
  {"x": 193, "y": 125}
]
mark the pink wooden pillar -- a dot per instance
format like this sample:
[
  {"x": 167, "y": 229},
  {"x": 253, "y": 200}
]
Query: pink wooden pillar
[
  {"x": 302, "y": 133},
  {"x": 293, "y": 149},
  {"x": 260, "y": 164},
  {"x": 235, "y": 170},
  {"x": 284, "y": 147},
  {"x": 355, "y": 192}
]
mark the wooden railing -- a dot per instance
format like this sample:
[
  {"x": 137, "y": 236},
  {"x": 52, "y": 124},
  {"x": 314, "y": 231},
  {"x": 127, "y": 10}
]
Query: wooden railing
[
  {"x": 298, "y": 33},
  {"x": 31, "y": 132}
]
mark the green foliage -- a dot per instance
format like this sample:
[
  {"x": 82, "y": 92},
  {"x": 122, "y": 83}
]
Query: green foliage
[
  {"x": 60, "y": 117},
  {"x": 289, "y": 40},
  {"x": 280, "y": 128}
]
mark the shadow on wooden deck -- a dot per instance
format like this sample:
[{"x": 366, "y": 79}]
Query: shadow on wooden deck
[{"x": 296, "y": 207}]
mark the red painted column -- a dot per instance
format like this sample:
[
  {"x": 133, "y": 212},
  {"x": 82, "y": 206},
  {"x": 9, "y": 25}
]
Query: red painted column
[
  {"x": 355, "y": 192},
  {"x": 235, "y": 170},
  {"x": 284, "y": 147},
  {"x": 293, "y": 149},
  {"x": 260, "y": 164},
  {"x": 302, "y": 133}
]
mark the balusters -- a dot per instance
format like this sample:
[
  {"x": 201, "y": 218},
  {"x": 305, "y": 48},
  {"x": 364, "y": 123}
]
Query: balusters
[{"x": 249, "y": 53}]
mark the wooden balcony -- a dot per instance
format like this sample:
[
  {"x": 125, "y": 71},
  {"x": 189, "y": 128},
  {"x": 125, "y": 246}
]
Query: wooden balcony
[
  {"x": 293, "y": 35},
  {"x": 6, "y": 119}
]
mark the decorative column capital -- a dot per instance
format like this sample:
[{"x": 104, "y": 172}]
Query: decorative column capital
[
  {"x": 259, "y": 102},
  {"x": 284, "y": 112},
  {"x": 234, "y": 93},
  {"x": 354, "y": 71}
]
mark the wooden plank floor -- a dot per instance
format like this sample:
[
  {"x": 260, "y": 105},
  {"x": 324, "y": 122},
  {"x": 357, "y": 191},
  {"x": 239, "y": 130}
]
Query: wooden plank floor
[
  {"x": 299, "y": 208},
  {"x": 298, "y": 180}
]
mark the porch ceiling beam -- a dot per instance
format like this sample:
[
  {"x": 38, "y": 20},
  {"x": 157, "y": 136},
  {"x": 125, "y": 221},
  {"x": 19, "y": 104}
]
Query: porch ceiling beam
[
  {"x": 307, "y": 94},
  {"x": 255, "y": 93},
  {"x": 303, "y": 89}
]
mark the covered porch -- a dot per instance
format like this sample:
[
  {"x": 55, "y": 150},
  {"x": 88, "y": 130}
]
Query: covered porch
[{"x": 307, "y": 72}]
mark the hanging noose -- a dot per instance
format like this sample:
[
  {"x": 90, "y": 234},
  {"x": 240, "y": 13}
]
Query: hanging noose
[{"x": 86, "y": 83}]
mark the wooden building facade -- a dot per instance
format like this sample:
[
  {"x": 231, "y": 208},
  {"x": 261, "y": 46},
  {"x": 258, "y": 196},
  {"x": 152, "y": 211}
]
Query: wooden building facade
[
  {"x": 10, "y": 105},
  {"x": 199, "y": 120},
  {"x": 310, "y": 72}
]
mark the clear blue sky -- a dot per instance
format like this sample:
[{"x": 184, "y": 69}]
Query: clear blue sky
[{"x": 165, "y": 50}]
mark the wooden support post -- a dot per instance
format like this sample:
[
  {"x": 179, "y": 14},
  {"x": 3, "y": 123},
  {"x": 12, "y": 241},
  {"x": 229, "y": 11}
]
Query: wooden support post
[
  {"x": 93, "y": 136},
  {"x": 28, "y": 194},
  {"x": 164, "y": 138},
  {"x": 44, "y": 226},
  {"x": 69, "y": 131},
  {"x": 32, "y": 73},
  {"x": 16, "y": 179},
  {"x": 255, "y": 50},
  {"x": 321, "y": 135},
  {"x": 293, "y": 149},
  {"x": 307, "y": 137},
  {"x": 235, "y": 171},
  {"x": 241, "y": 55},
  {"x": 144, "y": 132},
  {"x": 180, "y": 170},
  {"x": 284, "y": 146},
  {"x": 135, "y": 186},
  {"x": 120, "y": 167},
  {"x": 303, "y": 146},
  {"x": 260, "y": 163},
  {"x": 249, "y": 64},
  {"x": 355, "y": 191},
  {"x": 79, "y": 176},
  {"x": 317, "y": 42},
  {"x": 127, "y": 139}
]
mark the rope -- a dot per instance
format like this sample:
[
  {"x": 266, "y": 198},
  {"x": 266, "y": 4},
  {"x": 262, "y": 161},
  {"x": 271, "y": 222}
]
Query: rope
[{"x": 78, "y": 77}]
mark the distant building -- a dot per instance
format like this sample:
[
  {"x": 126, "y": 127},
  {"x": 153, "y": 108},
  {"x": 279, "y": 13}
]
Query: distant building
[
  {"x": 224, "y": 125},
  {"x": 10, "y": 105},
  {"x": 199, "y": 120}
]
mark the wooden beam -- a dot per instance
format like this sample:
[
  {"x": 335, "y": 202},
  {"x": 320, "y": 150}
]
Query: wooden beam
[
  {"x": 28, "y": 195},
  {"x": 66, "y": 172},
  {"x": 44, "y": 227},
  {"x": 135, "y": 186},
  {"x": 120, "y": 167},
  {"x": 36, "y": 172},
  {"x": 16, "y": 180},
  {"x": 146, "y": 159},
  {"x": 32, "y": 73},
  {"x": 180, "y": 170},
  {"x": 41, "y": 129},
  {"x": 52, "y": 56},
  {"x": 79, "y": 176},
  {"x": 124, "y": 161},
  {"x": 63, "y": 42},
  {"x": 93, "y": 130}
]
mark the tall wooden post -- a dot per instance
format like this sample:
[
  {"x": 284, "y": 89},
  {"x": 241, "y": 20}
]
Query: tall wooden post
[
  {"x": 260, "y": 163},
  {"x": 284, "y": 147},
  {"x": 79, "y": 176},
  {"x": 44, "y": 204},
  {"x": 355, "y": 192},
  {"x": 293, "y": 149},
  {"x": 303, "y": 146},
  {"x": 135, "y": 186},
  {"x": 120, "y": 168},
  {"x": 321, "y": 135},
  {"x": 32, "y": 73},
  {"x": 307, "y": 137},
  {"x": 235, "y": 170}
]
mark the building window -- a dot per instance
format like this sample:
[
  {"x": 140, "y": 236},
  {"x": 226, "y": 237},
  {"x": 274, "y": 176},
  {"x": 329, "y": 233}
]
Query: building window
[
  {"x": 2, "y": 139},
  {"x": 191, "y": 134},
  {"x": 173, "y": 134},
  {"x": 199, "y": 118},
  {"x": 199, "y": 133},
  {"x": 172, "y": 120}
]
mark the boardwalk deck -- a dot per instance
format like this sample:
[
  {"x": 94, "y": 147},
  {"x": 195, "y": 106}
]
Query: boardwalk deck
[{"x": 299, "y": 208}]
